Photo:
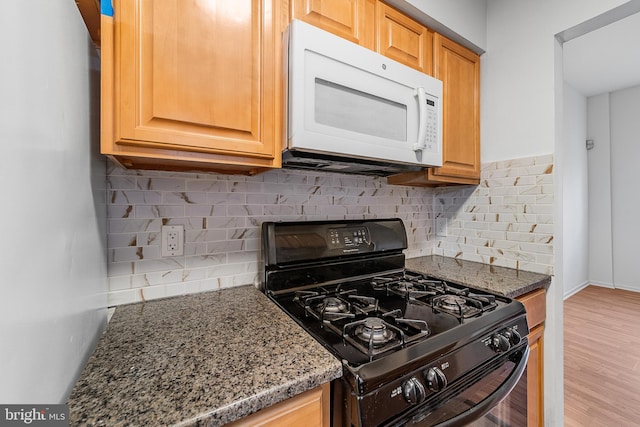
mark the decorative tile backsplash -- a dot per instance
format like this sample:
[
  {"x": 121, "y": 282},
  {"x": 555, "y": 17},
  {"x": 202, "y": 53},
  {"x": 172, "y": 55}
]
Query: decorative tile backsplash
[
  {"x": 222, "y": 216},
  {"x": 505, "y": 221}
]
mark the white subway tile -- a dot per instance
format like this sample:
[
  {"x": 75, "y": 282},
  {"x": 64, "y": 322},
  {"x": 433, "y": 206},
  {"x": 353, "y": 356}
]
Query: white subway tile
[
  {"x": 162, "y": 184},
  {"x": 207, "y": 186},
  {"x": 122, "y": 240},
  {"x": 186, "y": 197},
  {"x": 159, "y": 211},
  {"x": 134, "y": 197}
]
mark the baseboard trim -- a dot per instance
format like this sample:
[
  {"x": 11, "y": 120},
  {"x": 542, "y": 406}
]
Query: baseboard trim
[
  {"x": 625, "y": 288},
  {"x": 602, "y": 284},
  {"x": 576, "y": 289}
]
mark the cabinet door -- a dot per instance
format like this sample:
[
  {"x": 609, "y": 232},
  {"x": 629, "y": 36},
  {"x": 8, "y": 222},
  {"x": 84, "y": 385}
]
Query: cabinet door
[
  {"x": 350, "y": 19},
  {"x": 310, "y": 408},
  {"x": 535, "y": 391},
  {"x": 459, "y": 70},
  {"x": 403, "y": 39},
  {"x": 197, "y": 77},
  {"x": 535, "y": 304}
]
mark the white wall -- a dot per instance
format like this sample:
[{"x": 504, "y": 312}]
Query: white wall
[
  {"x": 599, "y": 160},
  {"x": 53, "y": 260},
  {"x": 625, "y": 197},
  {"x": 522, "y": 116},
  {"x": 518, "y": 84},
  {"x": 575, "y": 218},
  {"x": 465, "y": 21}
]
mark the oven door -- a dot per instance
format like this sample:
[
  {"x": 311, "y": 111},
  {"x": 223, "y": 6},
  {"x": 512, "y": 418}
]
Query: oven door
[{"x": 473, "y": 396}]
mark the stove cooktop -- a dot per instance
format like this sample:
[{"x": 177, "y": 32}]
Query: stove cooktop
[{"x": 363, "y": 320}]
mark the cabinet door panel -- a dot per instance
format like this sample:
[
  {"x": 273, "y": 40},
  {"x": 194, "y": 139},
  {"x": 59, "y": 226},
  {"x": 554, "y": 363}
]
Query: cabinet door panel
[
  {"x": 535, "y": 384},
  {"x": 404, "y": 40},
  {"x": 196, "y": 76},
  {"x": 350, "y": 19},
  {"x": 310, "y": 408},
  {"x": 459, "y": 70}
]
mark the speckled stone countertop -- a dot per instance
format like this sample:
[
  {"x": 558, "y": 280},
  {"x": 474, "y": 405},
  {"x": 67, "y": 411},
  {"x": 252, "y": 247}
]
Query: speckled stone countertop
[
  {"x": 501, "y": 280},
  {"x": 205, "y": 359}
]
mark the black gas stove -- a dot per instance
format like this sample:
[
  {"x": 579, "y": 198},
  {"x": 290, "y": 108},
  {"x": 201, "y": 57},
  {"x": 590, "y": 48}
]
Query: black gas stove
[{"x": 415, "y": 350}]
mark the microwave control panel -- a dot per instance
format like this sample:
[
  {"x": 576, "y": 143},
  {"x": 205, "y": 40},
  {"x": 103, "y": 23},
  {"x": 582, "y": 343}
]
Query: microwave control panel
[{"x": 431, "y": 134}]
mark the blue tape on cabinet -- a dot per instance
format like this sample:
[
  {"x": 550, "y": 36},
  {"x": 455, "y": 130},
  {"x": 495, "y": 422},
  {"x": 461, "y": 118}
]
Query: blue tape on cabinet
[{"x": 106, "y": 8}]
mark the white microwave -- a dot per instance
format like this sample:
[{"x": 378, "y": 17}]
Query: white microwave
[{"x": 350, "y": 109}]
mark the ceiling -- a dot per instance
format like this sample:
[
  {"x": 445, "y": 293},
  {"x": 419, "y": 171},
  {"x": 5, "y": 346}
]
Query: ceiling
[{"x": 605, "y": 59}]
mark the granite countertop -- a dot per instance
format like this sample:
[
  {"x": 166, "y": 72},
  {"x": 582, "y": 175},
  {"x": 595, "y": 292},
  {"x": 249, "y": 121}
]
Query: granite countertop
[
  {"x": 501, "y": 280},
  {"x": 204, "y": 359}
]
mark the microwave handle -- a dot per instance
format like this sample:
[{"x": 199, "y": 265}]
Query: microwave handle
[{"x": 422, "y": 122}]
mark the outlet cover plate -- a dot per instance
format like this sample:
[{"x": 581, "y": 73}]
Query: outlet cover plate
[{"x": 172, "y": 242}]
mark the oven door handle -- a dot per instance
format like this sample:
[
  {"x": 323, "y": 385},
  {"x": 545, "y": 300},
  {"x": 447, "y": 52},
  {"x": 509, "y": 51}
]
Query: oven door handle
[{"x": 492, "y": 400}]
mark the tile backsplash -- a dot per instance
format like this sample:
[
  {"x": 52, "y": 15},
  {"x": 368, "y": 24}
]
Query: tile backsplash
[
  {"x": 222, "y": 215},
  {"x": 507, "y": 220}
]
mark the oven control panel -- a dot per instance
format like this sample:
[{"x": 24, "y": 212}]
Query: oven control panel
[
  {"x": 315, "y": 241},
  {"x": 348, "y": 238}
]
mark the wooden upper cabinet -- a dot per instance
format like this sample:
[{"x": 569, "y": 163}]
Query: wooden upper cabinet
[
  {"x": 403, "y": 39},
  {"x": 459, "y": 70},
  {"x": 350, "y": 19},
  {"x": 193, "y": 85}
]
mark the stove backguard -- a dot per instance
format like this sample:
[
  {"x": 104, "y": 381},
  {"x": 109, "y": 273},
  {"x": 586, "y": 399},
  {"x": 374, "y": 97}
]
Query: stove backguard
[{"x": 300, "y": 254}]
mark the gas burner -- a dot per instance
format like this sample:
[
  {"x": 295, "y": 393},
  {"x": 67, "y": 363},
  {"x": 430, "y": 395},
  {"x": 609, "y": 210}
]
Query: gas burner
[
  {"x": 374, "y": 329},
  {"x": 452, "y": 302},
  {"x": 332, "y": 305},
  {"x": 373, "y": 336},
  {"x": 413, "y": 289},
  {"x": 459, "y": 305},
  {"x": 410, "y": 285},
  {"x": 404, "y": 286},
  {"x": 325, "y": 307}
]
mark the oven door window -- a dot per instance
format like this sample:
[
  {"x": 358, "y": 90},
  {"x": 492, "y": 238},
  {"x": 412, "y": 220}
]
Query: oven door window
[{"x": 457, "y": 409}]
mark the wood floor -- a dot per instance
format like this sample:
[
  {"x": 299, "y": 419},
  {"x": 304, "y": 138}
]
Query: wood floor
[{"x": 602, "y": 358}]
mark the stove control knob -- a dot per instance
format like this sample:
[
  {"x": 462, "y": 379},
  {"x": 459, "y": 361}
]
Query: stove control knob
[
  {"x": 500, "y": 343},
  {"x": 513, "y": 336},
  {"x": 413, "y": 391},
  {"x": 436, "y": 379}
]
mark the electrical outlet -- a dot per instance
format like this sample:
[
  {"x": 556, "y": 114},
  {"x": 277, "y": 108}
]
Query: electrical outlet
[
  {"x": 441, "y": 227},
  {"x": 172, "y": 242}
]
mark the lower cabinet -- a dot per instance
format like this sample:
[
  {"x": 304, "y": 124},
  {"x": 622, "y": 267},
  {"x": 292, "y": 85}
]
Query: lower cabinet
[
  {"x": 535, "y": 394},
  {"x": 535, "y": 304},
  {"x": 310, "y": 408}
]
